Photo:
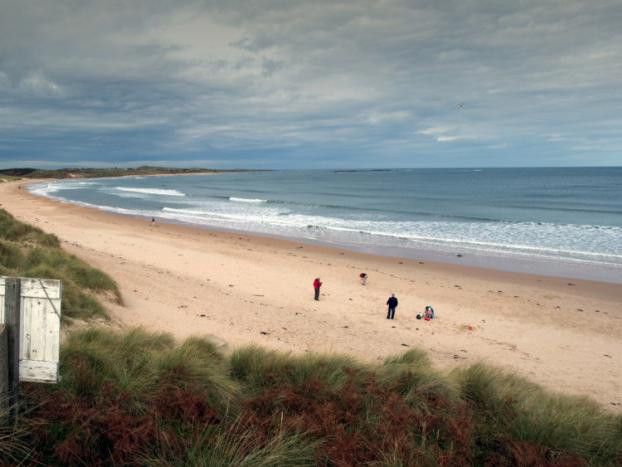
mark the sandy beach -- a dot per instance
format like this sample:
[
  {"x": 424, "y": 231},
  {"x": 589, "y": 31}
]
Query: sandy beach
[{"x": 240, "y": 289}]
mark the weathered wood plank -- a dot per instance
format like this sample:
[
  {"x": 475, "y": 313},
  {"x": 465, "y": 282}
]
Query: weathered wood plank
[
  {"x": 41, "y": 288},
  {"x": 38, "y": 372},
  {"x": 12, "y": 317},
  {"x": 40, "y": 329},
  {"x": 1, "y": 300},
  {"x": 4, "y": 370}
]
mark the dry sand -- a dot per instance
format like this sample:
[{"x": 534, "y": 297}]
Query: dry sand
[{"x": 241, "y": 289}]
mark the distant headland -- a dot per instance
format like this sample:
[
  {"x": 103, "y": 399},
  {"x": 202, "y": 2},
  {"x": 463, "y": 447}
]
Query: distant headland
[{"x": 108, "y": 172}]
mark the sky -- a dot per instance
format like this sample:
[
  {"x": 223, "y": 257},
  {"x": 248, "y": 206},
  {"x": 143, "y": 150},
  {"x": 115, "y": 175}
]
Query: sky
[{"x": 311, "y": 84}]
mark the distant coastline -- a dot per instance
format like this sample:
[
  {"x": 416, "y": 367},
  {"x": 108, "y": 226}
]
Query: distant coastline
[{"x": 113, "y": 172}]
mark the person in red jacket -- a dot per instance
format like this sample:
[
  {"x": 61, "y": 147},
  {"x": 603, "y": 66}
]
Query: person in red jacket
[{"x": 316, "y": 286}]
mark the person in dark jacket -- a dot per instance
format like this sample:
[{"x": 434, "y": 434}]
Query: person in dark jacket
[
  {"x": 316, "y": 286},
  {"x": 392, "y": 303}
]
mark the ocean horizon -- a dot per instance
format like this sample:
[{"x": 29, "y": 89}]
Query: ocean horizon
[{"x": 552, "y": 221}]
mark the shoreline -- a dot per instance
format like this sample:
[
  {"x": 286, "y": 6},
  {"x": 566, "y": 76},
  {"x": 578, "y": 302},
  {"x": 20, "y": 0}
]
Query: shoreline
[
  {"x": 428, "y": 257},
  {"x": 466, "y": 255},
  {"x": 243, "y": 289}
]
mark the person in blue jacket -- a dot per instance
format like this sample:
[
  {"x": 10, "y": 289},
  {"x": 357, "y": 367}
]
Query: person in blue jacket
[{"x": 392, "y": 303}]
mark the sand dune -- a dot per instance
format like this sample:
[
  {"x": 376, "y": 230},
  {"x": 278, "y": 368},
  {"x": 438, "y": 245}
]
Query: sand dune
[{"x": 240, "y": 289}]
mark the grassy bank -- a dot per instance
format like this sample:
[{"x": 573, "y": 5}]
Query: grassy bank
[
  {"x": 27, "y": 251},
  {"x": 139, "y": 399}
]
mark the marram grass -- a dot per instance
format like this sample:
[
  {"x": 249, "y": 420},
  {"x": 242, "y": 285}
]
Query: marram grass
[
  {"x": 138, "y": 398},
  {"x": 27, "y": 251}
]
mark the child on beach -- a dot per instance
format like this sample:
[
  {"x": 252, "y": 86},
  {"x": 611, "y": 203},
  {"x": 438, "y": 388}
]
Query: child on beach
[{"x": 363, "y": 277}]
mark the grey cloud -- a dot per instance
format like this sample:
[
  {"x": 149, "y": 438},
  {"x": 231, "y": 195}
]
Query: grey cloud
[{"x": 362, "y": 80}]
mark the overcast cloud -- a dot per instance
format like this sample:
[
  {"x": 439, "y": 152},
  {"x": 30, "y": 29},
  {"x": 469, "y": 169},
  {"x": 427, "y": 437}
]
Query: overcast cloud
[{"x": 280, "y": 83}]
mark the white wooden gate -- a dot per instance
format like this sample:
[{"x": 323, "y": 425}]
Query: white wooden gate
[{"x": 40, "y": 316}]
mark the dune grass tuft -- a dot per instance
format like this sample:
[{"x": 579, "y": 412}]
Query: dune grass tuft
[
  {"x": 224, "y": 448},
  {"x": 27, "y": 251},
  {"x": 258, "y": 368},
  {"x": 14, "y": 447},
  {"x": 11, "y": 229},
  {"x": 511, "y": 408},
  {"x": 11, "y": 255},
  {"x": 412, "y": 375}
]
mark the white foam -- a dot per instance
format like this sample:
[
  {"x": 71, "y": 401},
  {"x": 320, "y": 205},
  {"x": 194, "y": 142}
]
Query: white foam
[
  {"x": 567, "y": 242},
  {"x": 45, "y": 189},
  {"x": 151, "y": 191},
  {"x": 579, "y": 242},
  {"x": 247, "y": 200}
]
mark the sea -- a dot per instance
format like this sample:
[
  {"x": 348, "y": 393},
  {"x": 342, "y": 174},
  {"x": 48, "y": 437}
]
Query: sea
[{"x": 551, "y": 221}]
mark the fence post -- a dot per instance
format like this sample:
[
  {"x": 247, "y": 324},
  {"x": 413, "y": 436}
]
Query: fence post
[
  {"x": 4, "y": 372},
  {"x": 12, "y": 296}
]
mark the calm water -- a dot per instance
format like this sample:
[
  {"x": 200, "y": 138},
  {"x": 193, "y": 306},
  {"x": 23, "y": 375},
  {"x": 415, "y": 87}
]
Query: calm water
[{"x": 560, "y": 221}]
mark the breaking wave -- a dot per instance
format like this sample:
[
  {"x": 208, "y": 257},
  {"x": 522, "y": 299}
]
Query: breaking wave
[
  {"x": 151, "y": 191},
  {"x": 247, "y": 200}
]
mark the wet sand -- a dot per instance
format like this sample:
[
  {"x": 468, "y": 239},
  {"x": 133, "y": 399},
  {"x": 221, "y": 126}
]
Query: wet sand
[{"x": 565, "y": 334}]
